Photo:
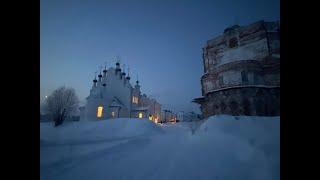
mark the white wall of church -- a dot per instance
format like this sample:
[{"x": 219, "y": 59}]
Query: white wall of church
[
  {"x": 117, "y": 92},
  {"x": 104, "y": 95}
]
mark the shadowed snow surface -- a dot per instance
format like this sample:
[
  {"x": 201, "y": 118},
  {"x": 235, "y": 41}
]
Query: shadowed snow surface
[{"x": 222, "y": 147}]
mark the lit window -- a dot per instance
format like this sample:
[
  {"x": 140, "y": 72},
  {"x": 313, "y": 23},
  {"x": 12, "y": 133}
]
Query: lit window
[
  {"x": 140, "y": 115},
  {"x": 99, "y": 112},
  {"x": 134, "y": 99},
  {"x": 150, "y": 117},
  {"x": 113, "y": 114},
  {"x": 157, "y": 118}
]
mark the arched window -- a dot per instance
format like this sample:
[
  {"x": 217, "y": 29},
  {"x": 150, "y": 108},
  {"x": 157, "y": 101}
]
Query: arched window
[
  {"x": 99, "y": 111},
  {"x": 246, "y": 107},
  {"x": 233, "y": 42},
  {"x": 221, "y": 81},
  {"x": 256, "y": 78},
  {"x": 223, "y": 106},
  {"x": 259, "y": 105},
  {"x": 233, "y": 107},
  {"x": 244, "y": 77}
]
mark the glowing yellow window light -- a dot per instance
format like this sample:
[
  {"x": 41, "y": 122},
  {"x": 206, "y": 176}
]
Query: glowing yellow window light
[
  {"x": 113, "y": 114},
  {"x": 150, "y": 117},
  {"x": 99, "y": 112},
  {"x": 140, "y": 115}
]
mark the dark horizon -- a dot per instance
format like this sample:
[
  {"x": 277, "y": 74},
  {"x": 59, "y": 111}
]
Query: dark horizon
[{"x": 161, "y": 41}]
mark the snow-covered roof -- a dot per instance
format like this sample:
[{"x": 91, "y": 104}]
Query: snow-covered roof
[
  {"x": 198, "y": 99},
  {"x": 141, "y": 109},
  {"x": 116, "y": 103}
]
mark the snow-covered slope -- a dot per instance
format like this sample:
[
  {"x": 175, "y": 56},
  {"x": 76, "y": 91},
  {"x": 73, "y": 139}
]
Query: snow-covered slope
[
  {"x": 83, "y": 131},
  {"x": 222, "y": 147},
  {"x": 254, "y": 141},
  {"x": 260, "y": 132}
]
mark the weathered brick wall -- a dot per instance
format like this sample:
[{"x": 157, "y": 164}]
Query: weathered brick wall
[
  {"x": 241, "y": 57},
  {"x": 265, "y": 72},
  {"x": 253, "y": 101},
  {"x": 254, "y": 42}
]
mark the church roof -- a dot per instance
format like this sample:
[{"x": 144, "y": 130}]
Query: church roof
[
  {"x": 140, "y": 108},
  {"x": 116, "y": 103}
]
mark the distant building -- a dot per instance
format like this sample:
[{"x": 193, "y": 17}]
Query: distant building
[
  {"x": 112, "y": 96},
  {"x": 242, "y": 71},
  {"x": 167, "y": 116},
  {"x": 187, "y": 117},
  {"x": 180, "y": 116},
  {"x": 153, "y": 107}
]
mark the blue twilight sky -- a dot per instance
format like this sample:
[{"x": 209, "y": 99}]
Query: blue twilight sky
[{"x": 160, "y": 40}]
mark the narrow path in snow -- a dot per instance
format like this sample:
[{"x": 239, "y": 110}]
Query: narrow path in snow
[{"x": 156, "y": 152}]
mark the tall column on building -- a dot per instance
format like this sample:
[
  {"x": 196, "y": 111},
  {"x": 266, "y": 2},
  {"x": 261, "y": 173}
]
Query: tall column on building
[
  {"x": 128, "y": 76},
  {"x": 104, "y": 75},
  {"x": 100, "y": 76},
  {"x": 118, "y": 69},
  {"x": 137, "y": 86},
  {"x": 123, "y": 74},
  {"x": 95, "y": 80},
  {"x": 105, "y": 70}
]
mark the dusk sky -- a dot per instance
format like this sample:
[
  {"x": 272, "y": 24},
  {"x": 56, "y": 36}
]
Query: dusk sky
[{"x": 161, "y": 41}]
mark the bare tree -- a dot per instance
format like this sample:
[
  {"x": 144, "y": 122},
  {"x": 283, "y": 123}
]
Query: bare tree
[{"x": 61, "y": 104}]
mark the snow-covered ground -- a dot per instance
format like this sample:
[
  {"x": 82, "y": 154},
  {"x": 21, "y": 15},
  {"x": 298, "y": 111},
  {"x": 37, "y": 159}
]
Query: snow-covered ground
[{"x": 222, "y": 147}]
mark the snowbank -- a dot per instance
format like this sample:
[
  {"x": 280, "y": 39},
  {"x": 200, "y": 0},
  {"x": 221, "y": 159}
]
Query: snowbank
[
  {"x": 72, "y": 140},
  {"x": 260, "y": 132},
  {"x": 87, "y": 131},
  {"x": 253, "y": 142},
  {"x": 221, "y": 147}
]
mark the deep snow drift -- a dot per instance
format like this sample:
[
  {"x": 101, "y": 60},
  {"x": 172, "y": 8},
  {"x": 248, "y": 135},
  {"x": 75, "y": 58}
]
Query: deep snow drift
[{"x": 222, "y": 147}]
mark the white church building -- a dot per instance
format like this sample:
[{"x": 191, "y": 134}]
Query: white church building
[{"x": 112, "y": 96}]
